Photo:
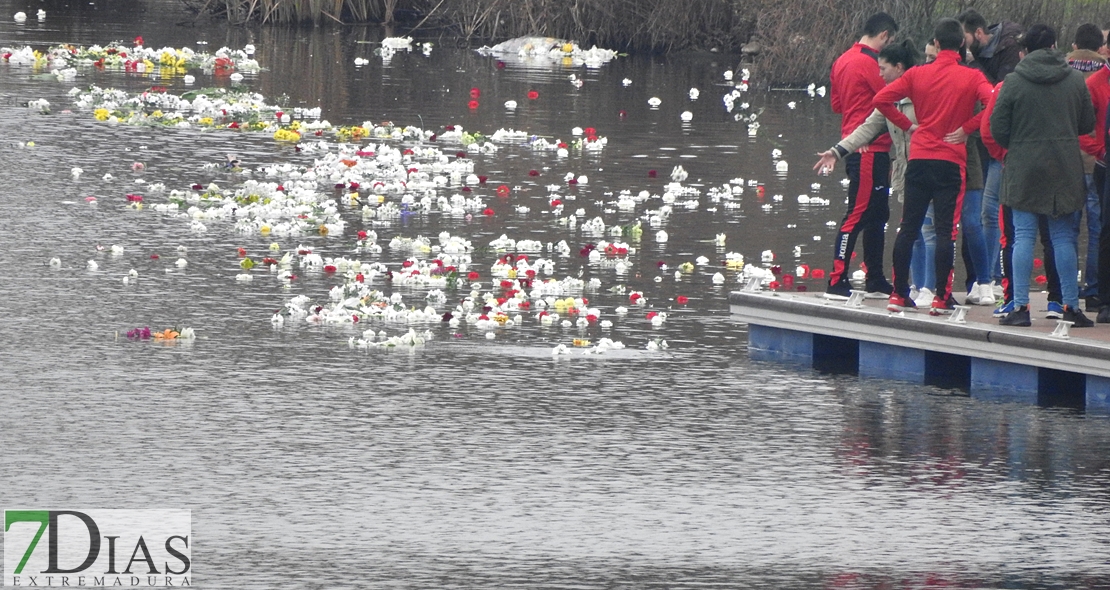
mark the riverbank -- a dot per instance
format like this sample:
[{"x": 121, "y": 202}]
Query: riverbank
[{"x": 792, "y": 42}]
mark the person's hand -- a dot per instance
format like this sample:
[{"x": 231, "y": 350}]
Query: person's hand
[
  {"x": 957, "y": 136},
  {"x": 827, "y": 162},
  {"x": 912, "y": 128}
]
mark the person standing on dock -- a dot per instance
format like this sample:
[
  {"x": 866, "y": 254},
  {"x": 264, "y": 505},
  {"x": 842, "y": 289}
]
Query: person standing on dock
[
  {"x": 854, "y": 80},
  {"x": 944, "y": 94},
  {"x": 1086, "y": 58},
  {"x": 1039, "y": 114}
]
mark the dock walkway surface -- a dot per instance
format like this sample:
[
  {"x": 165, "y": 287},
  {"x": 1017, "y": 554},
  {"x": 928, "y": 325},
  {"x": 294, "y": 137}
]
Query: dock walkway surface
[{"x": 1026, "y": 364}]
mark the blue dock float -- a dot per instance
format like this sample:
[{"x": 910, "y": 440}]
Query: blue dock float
[{"x": 1044, "y": 364}]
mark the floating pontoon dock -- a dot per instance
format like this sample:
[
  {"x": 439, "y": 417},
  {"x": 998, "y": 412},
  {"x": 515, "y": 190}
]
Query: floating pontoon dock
[{"x": 1048, "y": 363}]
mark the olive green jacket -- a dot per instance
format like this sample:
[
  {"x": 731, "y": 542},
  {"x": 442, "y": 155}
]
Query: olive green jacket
[{"x": 1041, "y": 111}]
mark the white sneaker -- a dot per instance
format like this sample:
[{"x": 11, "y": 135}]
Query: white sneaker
[
  {"x": 914, "y": 292},
  {"x": 996, "y": 290},
  {"x": 981, "y": 294},
  {"x": 924, "y": 298}
]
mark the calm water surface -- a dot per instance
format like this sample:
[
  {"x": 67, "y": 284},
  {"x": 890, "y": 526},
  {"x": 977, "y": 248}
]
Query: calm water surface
[{"x": 478, "y": 463}]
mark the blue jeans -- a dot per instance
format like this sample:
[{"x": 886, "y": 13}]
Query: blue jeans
[
  {"x": 924, "y": 252},
  {"x": 1062, "y": 229},
  {"x": 989, "y": 217},
  {"x": 971, "y": 218},
  {"x": 1094, "y": 225}
]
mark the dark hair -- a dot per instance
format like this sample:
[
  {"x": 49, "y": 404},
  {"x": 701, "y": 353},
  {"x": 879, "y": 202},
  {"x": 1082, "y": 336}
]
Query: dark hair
[
  {"x": 949, "y": 34},
  {"x": 1088, "y": 36},
  {"x": 972, "y": 20},
  {"x": 902, "y": 53},
  {"x": 1038, "y": 36},
  {"x": 878, "y": 23}
]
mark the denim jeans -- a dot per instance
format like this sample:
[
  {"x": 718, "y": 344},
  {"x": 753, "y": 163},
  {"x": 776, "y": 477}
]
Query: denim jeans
[
  {"x": 1062, "y": 229},
  {"x": 924, "y": 252},
  {"x": 1094, "y": 224},
  {"x": 989, "y": 217},
  {"x": 971, "y": 220}
]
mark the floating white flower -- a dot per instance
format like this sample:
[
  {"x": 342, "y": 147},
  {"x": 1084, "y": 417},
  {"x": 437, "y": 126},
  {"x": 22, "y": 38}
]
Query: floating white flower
[
  {"x": 92, "y": 265},
  {"x": 776, "y": 153},
  {"x": 661, "y": 236},
  {"x": 654, "y": 102},
  {"x": 361, "y": 61},
  {"x": 792, "y": 105},
  {"x": 626, "y": 82},
  {"x": 718, "y": 279},
  {"x": 41, "y": 15},
  {"x": 20, "y": 17},
  {"x": 188, "y": 79},
  {"x": 694, "y": 93},
  {"x": 510, "y": 104},
  {"x": 75, "y": 173},
  {"x": 686, "y": 116},
  {"x": 728, "y": 74},
  {"x": 781, "y": 166},
  {"x": 767, "y": 256},
  {"x": 236, "y": 77}
]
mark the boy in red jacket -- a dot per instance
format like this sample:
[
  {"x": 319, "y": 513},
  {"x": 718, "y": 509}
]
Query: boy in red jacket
[
  {"x": 854, "y": 80},
  {"x": 944, "y": 94}
]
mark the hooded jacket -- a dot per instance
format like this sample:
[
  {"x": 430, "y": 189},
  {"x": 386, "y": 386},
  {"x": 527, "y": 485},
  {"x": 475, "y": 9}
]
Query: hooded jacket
[
  {"x": 1001, "y": 55},
  {"x": 1040, "y": 112}
]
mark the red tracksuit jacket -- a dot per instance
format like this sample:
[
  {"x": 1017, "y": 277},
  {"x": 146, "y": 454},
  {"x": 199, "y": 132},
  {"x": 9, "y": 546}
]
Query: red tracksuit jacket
[
  {"x": 853, "y": 82},
  {"x": 944, "y": 94}
]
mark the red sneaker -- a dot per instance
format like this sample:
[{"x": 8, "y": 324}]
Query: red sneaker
[
  {"x": 898, "y": 303},
  {"x": 942, "y": 306}
]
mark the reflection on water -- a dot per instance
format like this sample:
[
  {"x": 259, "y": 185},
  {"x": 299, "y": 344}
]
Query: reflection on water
[{"x": 471, "y": 463}]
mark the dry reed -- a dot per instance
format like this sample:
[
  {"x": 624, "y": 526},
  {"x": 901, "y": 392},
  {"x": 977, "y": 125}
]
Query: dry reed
[{"x": 798, "y": 38}]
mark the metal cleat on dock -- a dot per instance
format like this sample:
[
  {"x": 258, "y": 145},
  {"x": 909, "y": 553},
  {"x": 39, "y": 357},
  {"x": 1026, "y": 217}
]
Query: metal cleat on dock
[
  {"x": 1062, "y": 329},
  {"x": 856, "y": 298},
  {"x": 753, "y": 285},
  {"x": 959, "y": 315}
]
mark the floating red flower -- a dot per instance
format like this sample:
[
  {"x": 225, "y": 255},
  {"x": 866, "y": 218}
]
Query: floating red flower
[
  {"x": 682, "y": 300},
  {"x": 817, "y": 273},
  {"x": 533, "y": 95},
  {"x": 473, "y": 276},
  {"x": 774, "y": 285},
  {"x": 533, "y": 173},
  {"x": 556, "y": 202},
  {"x": 330, "y": 268},
  {"x": 154, "y": 257},
  {"x": 652, "y": 174},
  {"x": 139, "y": 40},
  {"x": 475, "y": 93},
  {"x": 362, "y": 234},
  {"x": 488, "y": 212},
  {"x": 472, "y": 104},
  {"x": 242, "y": 252},
  {"x": 503, "y": 190},
  {"x": 482, "y": 178}
]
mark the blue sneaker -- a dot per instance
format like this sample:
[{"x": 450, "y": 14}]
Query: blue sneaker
[
  {"x": 1003, "y": 310},
  {"x": 1055, "y": 310}
]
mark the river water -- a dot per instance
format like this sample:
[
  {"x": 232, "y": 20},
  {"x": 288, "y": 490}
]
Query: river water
[{"x": 475, "y": 462}]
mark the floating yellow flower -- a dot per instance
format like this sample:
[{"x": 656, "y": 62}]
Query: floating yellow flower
[
  {"x": 568, "y": 47},
  {"x": 287, "y": 135},
  {"x": 101, "y": 114},
  {"x": 206, "y": 121},
  {"x": 323, "y": 229},
  {"x": 581, "y": 342},
  {"x": 157, "y": 114},
  {"x": 265, "y": 229}
]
